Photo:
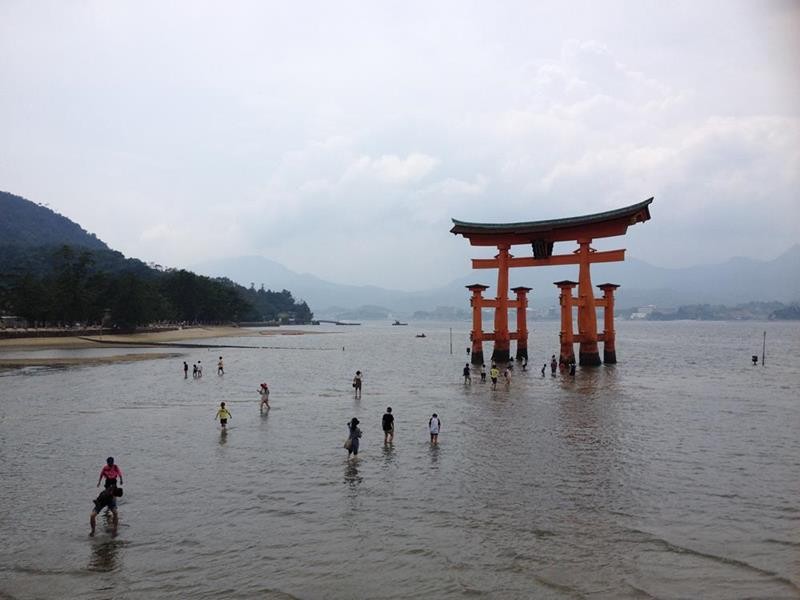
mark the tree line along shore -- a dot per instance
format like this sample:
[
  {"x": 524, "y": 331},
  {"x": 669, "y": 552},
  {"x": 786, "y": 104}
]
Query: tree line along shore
[{"x": 65, "y": 288}]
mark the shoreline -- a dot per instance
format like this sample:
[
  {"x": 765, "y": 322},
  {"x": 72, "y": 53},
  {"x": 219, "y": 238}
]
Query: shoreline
[
  {"x": 171, "y": 340},
  {"x": 154, "y": 338},
  {"x": 17, "y": 363}
]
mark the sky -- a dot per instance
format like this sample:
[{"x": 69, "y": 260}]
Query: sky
[{"x": 340, "y": 138}]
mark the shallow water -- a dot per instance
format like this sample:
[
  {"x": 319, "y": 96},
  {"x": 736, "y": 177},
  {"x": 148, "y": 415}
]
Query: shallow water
[{"x": 674, "y": 474}]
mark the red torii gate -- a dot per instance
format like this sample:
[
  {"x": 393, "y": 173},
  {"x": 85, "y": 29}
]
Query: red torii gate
[{"x": 542, "y": 235}]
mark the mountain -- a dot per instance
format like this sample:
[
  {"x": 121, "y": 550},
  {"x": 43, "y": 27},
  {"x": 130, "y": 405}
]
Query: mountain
[
  {"x": 53, "y": 272},
  {"x": 25, "y": 223},
  {"x": 315, "y": 291},
  {"x": 29, "y": 232},
  {"x": 735, "y": 281}
]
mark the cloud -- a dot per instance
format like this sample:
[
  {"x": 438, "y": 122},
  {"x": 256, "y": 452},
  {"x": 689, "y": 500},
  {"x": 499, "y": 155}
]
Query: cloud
[
  {"x": 159, "y": 231},
  {"x": 458, "y": 187},
  {"x": 323, "y": 142},
  {"x": 391, "y": 169},
  {"x": 588, "y": 134}
]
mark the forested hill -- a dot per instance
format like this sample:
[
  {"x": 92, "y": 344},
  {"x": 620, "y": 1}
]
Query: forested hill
[
  {"x": 53, "y": 273},
  {"x": 24, "y": 223}
]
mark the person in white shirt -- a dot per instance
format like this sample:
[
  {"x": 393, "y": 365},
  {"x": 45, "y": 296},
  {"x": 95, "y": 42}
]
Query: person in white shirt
[{"x": 435, "y": 426}]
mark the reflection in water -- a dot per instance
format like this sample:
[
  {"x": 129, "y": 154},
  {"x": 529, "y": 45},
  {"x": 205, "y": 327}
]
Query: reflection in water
[
  {"x": 651, "y": 475},
  {"x": 388, "y": 454},
  {"x": 435, "y": 455},
  {"x": 105, "y": 555},
  {"x": 351, "y": 476},
  {"x": 588, "y": 383}
]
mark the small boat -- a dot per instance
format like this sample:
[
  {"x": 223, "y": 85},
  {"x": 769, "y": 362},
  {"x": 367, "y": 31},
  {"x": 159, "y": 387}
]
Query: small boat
[
  {"x": 420, "y": 335},
  {"x": 399, "y": 323}
]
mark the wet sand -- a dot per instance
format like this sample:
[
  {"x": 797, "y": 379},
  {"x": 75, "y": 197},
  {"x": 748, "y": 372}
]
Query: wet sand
[
  {"x": 150, "y": 339},
  {"x": 11, "y": 363}
]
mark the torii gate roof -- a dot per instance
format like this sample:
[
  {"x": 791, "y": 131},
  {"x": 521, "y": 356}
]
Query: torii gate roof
[{"x": 604, "y": 224}]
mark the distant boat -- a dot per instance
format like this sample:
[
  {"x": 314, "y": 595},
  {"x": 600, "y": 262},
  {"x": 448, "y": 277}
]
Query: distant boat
[
  {"x": 420, "y": 335},
  {"x": 399, "y": 323}
]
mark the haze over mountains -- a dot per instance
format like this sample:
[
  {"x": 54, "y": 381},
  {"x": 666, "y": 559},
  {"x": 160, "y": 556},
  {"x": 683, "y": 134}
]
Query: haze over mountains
[
  {"x": 738, "y": 280},
  {"x": 735, "y": 281}
]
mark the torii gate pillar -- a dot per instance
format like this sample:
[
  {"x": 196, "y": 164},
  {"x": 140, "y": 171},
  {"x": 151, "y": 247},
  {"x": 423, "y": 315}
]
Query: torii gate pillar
[
  {"x": 476, "y": 336},
  {"x": 566, "y": 337},
  {"x": 502, "y": 338},
  {"x": 522, "y": 322},
  {"x": 588, "y": 354},
  {"x": 608, "y": 336}
]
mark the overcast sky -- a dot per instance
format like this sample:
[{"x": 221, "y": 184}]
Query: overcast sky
[{"x": 339, "y": 138}]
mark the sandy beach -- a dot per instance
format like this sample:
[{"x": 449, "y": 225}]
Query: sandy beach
[{"x": 151, "y": 339}]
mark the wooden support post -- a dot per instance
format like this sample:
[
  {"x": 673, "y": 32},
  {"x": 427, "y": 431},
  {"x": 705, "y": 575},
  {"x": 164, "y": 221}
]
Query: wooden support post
[
  {"x": 609, "y": 347},
  {"x": 588, "y": 354},
  {"x": 476, "y": 336},
  {"x": 566, "y": 336},
  {"x": 522, "y": 322},
  {"x": 502, "y": 341}
]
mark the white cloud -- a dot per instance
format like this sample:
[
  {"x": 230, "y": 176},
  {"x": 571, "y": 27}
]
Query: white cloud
[
  {"x": 392, "y": 169},
  {"x": 330, "y": 146},
  {"x": 458, "y": 187}
]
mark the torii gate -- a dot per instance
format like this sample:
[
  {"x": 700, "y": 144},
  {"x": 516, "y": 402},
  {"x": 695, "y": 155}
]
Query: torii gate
[{"x": 542, "y": 235}]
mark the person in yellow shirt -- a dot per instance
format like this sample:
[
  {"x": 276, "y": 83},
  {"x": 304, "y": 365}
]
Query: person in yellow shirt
[
  {"x": 223, "y": 414},
  {"x": 494, "y": 373}
]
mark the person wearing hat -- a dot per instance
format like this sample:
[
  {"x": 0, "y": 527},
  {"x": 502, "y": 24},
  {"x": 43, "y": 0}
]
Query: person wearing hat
[
  {"x": 264, "y": 391},
  {"x": 111, "y": 472},
  {"x": 353, "y": 437}
]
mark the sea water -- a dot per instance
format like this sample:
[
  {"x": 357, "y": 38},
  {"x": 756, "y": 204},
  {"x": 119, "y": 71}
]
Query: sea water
[{"x": 673, "y": 474}]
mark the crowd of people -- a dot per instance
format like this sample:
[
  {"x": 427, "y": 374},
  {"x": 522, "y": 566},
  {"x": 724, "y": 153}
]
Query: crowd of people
[
  {"x": 112, "y": 474},
  {"x": 351, "y": 443},
  {"x": 564, "y": 365}
]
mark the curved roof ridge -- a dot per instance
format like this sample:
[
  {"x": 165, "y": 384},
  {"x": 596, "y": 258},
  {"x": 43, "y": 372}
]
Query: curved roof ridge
[{"x": 466, "y": 226}]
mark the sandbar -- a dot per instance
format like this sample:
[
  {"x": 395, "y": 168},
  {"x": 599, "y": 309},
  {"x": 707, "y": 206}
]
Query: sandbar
[
  {"x": 16, "y": 363},
  {"x": 150, "y": 338}
]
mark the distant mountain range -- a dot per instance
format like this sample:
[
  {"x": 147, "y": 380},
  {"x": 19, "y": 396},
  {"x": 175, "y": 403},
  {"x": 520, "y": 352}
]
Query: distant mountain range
[
  {"x": 735, "y": 281},
  {"x": 24, "y": 224}
]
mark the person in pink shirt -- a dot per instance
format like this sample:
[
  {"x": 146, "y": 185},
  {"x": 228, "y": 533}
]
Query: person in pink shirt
[{"x": 111, "y": 472}]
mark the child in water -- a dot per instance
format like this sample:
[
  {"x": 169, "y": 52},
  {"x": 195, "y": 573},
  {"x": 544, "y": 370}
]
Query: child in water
[
  {"x": 106, "y": 499},
  {"x": 111, "y": 472},
  {"x": 435, "y": 426},
  {"x": 264, "y": 391},
  {"x": 223, "y": 414}
]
